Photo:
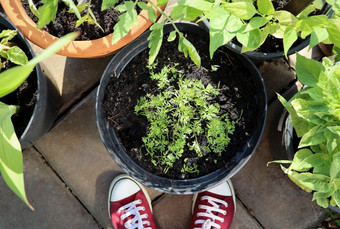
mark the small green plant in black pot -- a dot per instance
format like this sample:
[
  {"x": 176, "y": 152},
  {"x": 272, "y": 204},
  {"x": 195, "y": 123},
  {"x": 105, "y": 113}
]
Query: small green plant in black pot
[{"x": 180, "y": 115}]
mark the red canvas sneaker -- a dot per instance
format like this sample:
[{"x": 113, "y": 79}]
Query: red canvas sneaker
[
  {"x": 129, "y": 205},
  {"x": 214, "y": 208}
]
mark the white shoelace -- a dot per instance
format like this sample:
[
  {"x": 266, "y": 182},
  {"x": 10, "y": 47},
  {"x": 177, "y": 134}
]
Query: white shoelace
[
  {"x": 137, "y": 222},
  {"x": 210, "y": 223}
]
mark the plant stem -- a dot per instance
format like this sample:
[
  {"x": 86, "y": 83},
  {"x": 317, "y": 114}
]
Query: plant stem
[
  {"x": 297, "y": 6},
  {"x": 165, "y": 15}
]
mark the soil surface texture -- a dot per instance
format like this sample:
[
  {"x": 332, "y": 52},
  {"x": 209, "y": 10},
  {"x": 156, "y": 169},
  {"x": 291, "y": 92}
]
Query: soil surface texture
[
  {"x": 236, "y": 98},
  {"x": 65, "y": 22}
]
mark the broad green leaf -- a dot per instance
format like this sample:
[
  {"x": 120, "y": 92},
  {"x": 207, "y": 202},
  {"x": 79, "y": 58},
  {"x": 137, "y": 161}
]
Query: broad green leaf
[
  {"x": 305, "y": 29},
  {"x": 47, "y": 12},
  {"x": 308, "y": 70},
  {"x": 200, "y": 5},
  {"x": 185, "y": 13},
  {"x": 155, "y": 40},
  {"x": 255, "y": 23},
  {"x": 8, "y": 83},
  {"x": 304, "y": 159},
  {"x": 172, "y": 36},
  {"x": 8, "y": 34},
  {"x": 277, "y": 30},
  {"x": 251, "y": 39},
  {"x": 335, "y": 167},
  {"x": 242, "y": 9},
  {"x": 289, "y": 37},
  {"x": 143, "y": 5},
  {"x": 334, "y": 34},
  {"x": 333, "y": 140},
  {"x": 162, "y": 2},
  {"x": 17, "y": 56},
  {"x": 315, "y": 182},
  {"x": 152, "y": 14},
  {"x": 309, "y": 9},
  {"x": 108, "y": 4},
  {"x": 323, "y": 202},
  {"x": 285, "y": 18},
  {"x": 291, "y": 175},
  {"x": 11, "y": 162},
  {"x": 222, "y": 26},
  {"x": 188, "y": 49},
  {"x": 336, "y": 197},
  {"x": 265, "y": 7},
  {"x": 312, "y": 137},
  {"x": 126, "y": 20},
  {"x": 318, "y": 36}
]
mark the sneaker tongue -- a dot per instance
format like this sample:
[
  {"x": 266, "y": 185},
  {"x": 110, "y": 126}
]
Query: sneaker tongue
[{"x": 207, "y": 224}]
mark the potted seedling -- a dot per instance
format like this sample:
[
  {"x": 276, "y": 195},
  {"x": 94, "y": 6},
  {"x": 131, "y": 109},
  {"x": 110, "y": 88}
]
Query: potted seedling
[
  {"x": 177, "y": 125},
  {"x": 81, "y": 15},
  {"x": 249, "y": 26},
  {"x": 314, "y": 114},
  {"x": 13, "y": 48}
]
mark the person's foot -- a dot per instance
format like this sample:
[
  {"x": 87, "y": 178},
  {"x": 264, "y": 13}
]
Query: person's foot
[
  {"x": 214, "y": 208},
  {"x": 129, "y": 204}
]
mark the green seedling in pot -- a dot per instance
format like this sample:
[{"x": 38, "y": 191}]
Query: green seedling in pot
[
  {"x": 179, "y": 117},
  {"x": 11, "y": 161},
  {"x": 315, "y": 115}
]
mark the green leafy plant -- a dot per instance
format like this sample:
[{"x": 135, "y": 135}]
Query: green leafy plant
[
  {"x": 179, "y": 116},
  {"x": 9, "y": 52},
  {"x": 315, "y": 115},
  {"x": 249, "y": 21},
  {"x": 48, "y": 11},
  {"x": 11, "y": 161}
]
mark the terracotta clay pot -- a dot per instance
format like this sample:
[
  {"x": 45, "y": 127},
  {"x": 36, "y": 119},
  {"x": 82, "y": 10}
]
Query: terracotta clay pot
[{"x": 80, "y": 49}]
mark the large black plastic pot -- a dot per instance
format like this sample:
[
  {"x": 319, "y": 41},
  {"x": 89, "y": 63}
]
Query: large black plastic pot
[
  {"x": 45, "y": 111},
  {"x": 270, "y": 55},
  {"x": 187, "y": 186}
]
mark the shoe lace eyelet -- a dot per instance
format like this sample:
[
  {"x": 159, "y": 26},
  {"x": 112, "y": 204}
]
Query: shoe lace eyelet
[
  {"x": 224, "y": 213},
  {"x": 143, "y": 209},
  {"x": 139, "y": 201},
  {"x": 222, "y": 220},
  {"x": 121, "y": 217},
  {"x": 199, "y": 206}
]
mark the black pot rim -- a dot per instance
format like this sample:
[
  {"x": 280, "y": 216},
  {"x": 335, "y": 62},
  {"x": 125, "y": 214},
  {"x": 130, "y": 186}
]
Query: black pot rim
[{"x": 117, "y": 152}]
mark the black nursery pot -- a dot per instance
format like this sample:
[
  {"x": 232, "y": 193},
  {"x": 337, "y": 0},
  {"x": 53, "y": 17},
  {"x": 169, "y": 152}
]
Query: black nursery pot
[
  {"x": 175, "y": 186},
  {"x": 44, "y": 111}
]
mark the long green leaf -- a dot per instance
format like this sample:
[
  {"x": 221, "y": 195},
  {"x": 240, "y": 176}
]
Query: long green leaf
[
  {"x": 11, "y": 161},
  {"x": 12, "y": 78},
  {"x": 155, "y": 40}
]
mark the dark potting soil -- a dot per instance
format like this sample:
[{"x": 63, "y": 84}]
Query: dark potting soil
[
  {"x": 65, "y": 22},
  {"x": 237, "y": 90}
]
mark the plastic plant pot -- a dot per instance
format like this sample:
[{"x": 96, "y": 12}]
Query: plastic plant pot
[
  {"x": 175, "y": 186},
  {"x": 45, "y": 112}
]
